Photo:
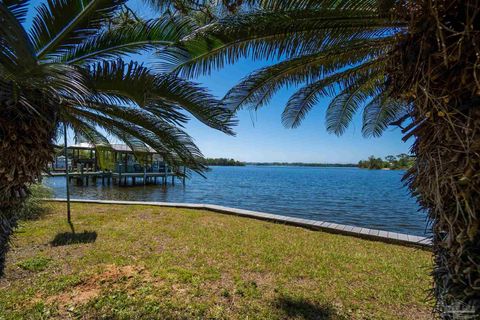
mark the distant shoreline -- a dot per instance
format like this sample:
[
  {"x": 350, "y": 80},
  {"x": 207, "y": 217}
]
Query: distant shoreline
[
  {"x": 301, "y": 164},
  {"x": 235, "y": 163},
  {"x": 312, "y": 165}
]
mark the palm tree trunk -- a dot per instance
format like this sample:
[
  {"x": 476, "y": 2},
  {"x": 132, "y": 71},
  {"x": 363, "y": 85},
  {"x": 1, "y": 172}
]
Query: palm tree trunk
[
  {"x": 438, "y": 70},
  {"x": 446, "y": 178},
  {"x": 25, "y": 150}
]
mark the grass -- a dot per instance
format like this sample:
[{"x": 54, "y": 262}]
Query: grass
[
  {"x": 142, "y": 262},
  {"x": 34, "y": 264}
]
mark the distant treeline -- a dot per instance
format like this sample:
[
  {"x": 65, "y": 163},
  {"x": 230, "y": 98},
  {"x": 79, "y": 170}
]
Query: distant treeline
[
  {"x": 303, "y": 164},
  {"x": 401, "y": 161},
  {"x": 223, "y": 162}
]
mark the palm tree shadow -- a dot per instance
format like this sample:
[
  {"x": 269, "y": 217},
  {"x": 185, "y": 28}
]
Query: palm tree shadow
[
  {"x": 68, "y": 238},
  {"x": 299, "y": 308}
]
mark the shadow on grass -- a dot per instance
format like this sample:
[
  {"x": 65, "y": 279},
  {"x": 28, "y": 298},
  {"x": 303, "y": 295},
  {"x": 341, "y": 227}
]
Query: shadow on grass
[
  {"x": 67, "y": 238},
  {"x": 299, "y": 308}
]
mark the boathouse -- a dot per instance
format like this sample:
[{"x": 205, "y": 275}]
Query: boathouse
[{"x": 117, "y": 163}]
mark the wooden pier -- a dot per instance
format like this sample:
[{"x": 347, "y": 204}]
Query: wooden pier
[
  {"x": 115, "y": 164},
  {"x": 123, "y": 179},
  {"x": 85, "y": 178}
]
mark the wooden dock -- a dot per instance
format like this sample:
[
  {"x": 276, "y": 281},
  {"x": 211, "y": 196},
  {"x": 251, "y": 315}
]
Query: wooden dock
[
  {"x": 85, "y": 178},
  {"x": 123, "y": 178}
]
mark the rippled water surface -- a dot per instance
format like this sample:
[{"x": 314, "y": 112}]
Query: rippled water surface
[{"x": 366, "y": 198}]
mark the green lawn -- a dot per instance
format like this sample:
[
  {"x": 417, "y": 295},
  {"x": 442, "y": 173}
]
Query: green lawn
[{"x": 143, "y": 262}]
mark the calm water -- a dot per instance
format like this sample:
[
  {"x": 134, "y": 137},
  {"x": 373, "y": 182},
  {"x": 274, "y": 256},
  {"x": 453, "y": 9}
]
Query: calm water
[{"x": 366, "y": 198}]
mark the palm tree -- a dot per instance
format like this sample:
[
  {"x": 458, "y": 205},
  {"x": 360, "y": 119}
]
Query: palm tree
[
  {"x": 67, "y": 68},
  {"x": 414, "y": 64}
]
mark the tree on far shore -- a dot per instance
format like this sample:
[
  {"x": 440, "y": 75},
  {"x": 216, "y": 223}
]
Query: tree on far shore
[{"x": 401, "y": 161}]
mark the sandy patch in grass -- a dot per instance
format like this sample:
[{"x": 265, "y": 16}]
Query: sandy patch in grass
[{"x": 91, "y": 287}]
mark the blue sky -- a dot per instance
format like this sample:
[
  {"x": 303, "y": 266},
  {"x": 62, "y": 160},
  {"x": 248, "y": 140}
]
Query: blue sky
[{"x": 261, "y": 136}]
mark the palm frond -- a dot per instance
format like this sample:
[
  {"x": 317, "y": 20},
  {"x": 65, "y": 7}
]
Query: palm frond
[
  {"x": 59, "y": 24},
  {"x": 342, "y": 108},
  {"x": 16, "y": 51},
  {"x": 182, "y": 6},
  {"x": 85, "y": 128},
  {"x": 257, "y": 89},
  {"x": 171, "y": 113},
  {"x": 195, "y": 100},
  {"x": 302, "y": 101},
  {"x": 133, "y": 38},
  {"x": 120, "y": 82},
  {"x": 379, "y": 113},
  {"x": 57, "y": 81},
  {"x": 271, "y": 35},
  {"x": 202, "y": 10},
  {"x": 19, "y": 8},
  {"x": 54, "y": 81},
  {"x": 365, "y": 5},
  {"x": 117, "y": 81}
]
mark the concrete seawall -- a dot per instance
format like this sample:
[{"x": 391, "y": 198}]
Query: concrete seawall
[{"x": 365, "y": 233}]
